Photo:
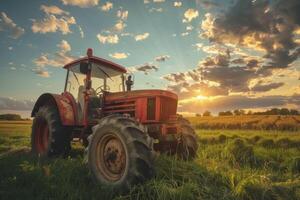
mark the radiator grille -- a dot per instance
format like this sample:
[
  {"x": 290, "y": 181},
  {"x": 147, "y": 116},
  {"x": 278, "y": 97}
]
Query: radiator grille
[{"x": 151, "y": 105}]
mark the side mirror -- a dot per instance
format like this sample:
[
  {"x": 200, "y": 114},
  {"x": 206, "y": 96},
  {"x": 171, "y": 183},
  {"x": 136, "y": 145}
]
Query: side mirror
[{"x": 84, "y": 67}]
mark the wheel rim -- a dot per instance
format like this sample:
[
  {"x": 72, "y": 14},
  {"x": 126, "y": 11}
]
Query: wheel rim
[
  {"x": 111, "y": 157},
  {"x": 41, "y": 136}
]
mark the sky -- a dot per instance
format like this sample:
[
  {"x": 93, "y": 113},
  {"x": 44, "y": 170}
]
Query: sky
[{"x": 215, "y": 55}]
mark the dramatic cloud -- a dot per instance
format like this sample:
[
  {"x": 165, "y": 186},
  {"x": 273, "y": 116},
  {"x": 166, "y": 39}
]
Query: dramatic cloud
[
  {"x": 145, "y": 68},
  {"x": 56, "y": 19},
  {"x": 112, "y": 39},
  {"x": 81, "y": 3},
  {"x": 141, "y": 36},
  {"x": 119, "y": 55},
  {"x": 190, "y": 14},
  {"x": 107, "y": 6},
  {"x": 7, "y": 24},
  {"x": 177, "y": 4},
  {"x": 266, "y": 87},
  {"x": 175, "y": 77},
  {"x": 162, "y": 58},
  {"x": 14, "y": 104},
  {"x": 259, "y": 25}
]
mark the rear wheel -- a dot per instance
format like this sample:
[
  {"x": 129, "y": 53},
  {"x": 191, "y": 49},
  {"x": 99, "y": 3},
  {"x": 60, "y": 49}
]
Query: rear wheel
[
  {"x": 49, "y": 137},
  {"x": 120, "y": 153},
  {"x": 187, "y": 146}
]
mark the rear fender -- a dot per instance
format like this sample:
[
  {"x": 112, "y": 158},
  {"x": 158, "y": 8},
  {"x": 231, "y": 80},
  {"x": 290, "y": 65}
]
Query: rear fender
[{"x": 63, "y": 105}]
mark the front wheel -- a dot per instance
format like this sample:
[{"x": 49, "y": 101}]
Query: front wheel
[
  {"x": 120, "y": 153},
  {"x": 49, "y": 137}
]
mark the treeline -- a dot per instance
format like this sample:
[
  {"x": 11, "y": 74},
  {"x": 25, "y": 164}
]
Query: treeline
[
  {"x": 11, "y": 117},
  {"x": 237, "y": 112}
]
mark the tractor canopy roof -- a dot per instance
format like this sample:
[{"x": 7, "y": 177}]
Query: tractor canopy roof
[{"x": 96, "y": 60}]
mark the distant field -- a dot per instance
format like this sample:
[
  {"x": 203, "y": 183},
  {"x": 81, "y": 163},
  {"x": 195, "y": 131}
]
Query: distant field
[
  {"x": 231, "y": 164},
  {"x": 257, "y": 122}
]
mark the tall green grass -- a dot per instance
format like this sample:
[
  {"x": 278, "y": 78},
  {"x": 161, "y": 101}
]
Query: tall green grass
[{"x": 230, "y": 165}]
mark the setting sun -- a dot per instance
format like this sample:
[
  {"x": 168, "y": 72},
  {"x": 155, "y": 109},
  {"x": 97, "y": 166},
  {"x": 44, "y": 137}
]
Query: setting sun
[{"x": 201, "y": 97}]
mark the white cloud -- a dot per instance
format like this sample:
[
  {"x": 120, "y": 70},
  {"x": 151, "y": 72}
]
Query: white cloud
[
  {"x": 141, "y": 36},
  {"x": 119, "y": 26},
  {"x": 13, "y": 68},
  {"x": 119, "y": 55},
  {"x": 81, "y": 32},
  {"x": 189, "y": 28},
  {"x": 177, "y": 4},
  {"x": 107, "y": 6},
  {"x": 53, "y": 24},
  {"x": 81, "y": 3},
  {"x": 8, "y": 103},
  {"x": 59, "y": 59},
  {"x": 198, "y": 46},
  {"x": 53, "y": 10},
  {"x": 55, "y": 20},
  {"x": 64, "y": 46},
  {"x": 185, "y": 34},
  {"x": 123, "y": 15},
  {"x": 7, "y": 24},
  {"x": 112, "y": 39},
  {"x": 155, "y": 10},
  {"x": 162, "y": 58},
  {"x": 10, "y": 48},
  {"x": 42, "y": 72},
  {"x": 190, "y": 14},
  {"x": 154, "y": 1}
]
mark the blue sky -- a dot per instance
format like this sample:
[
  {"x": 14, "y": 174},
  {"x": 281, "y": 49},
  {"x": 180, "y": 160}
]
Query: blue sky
[{"x": 202, "y": 43}]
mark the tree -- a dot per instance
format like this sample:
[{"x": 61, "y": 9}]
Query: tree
[
  {"x": 206, "y": 114},
  {"x": 294, "y": 112},
  {"x": 239, "y": 112},
  {"x": 284, "y": 111},
  {"x": 226, "y": 113},
  {"x": 10, "y": 117},
  {"x": 198, "y": 115}
]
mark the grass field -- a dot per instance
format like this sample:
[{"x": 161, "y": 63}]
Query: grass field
[
  {"x": 231, "y": 164},
  {"x": 255, "y": 122}
]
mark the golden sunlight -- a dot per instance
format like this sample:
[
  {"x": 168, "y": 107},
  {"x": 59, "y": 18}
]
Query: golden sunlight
[{"x": 201, "y": 97}]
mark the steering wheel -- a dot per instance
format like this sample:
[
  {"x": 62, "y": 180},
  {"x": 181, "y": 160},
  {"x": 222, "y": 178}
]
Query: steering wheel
[{"x": 102, "y": 89}]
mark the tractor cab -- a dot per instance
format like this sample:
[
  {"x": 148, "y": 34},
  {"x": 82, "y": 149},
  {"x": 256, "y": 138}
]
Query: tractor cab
[{"x": 88, "y": 80}]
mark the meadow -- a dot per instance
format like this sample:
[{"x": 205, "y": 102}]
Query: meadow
[
  {"x": 255, "y": 122},
  {"x": 231, "y": 164}
]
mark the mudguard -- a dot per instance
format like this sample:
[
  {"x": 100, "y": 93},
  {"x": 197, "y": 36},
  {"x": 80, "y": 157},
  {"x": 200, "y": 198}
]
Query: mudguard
[{"x": 63, "y": 104}]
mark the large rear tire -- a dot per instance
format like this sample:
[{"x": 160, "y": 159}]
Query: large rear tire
[
  {"x": 187, "y": 146},
  {"x": 120, "y": 153},
  {"x": 49, "y": 137}
]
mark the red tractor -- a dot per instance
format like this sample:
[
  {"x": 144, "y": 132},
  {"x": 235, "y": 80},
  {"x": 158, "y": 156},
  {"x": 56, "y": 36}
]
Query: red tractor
[{"x": 120, "y": 128}]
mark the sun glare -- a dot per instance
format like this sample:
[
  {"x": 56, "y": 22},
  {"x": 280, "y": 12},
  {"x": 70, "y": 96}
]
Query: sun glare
[{"x": 200, "y": 97}]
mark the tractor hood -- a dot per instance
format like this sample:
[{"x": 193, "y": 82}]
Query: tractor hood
[{"x": 140, "y": 94}]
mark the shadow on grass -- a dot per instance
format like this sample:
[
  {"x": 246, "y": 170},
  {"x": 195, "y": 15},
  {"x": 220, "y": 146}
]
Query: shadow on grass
[{"x": 24, "y": 176}]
